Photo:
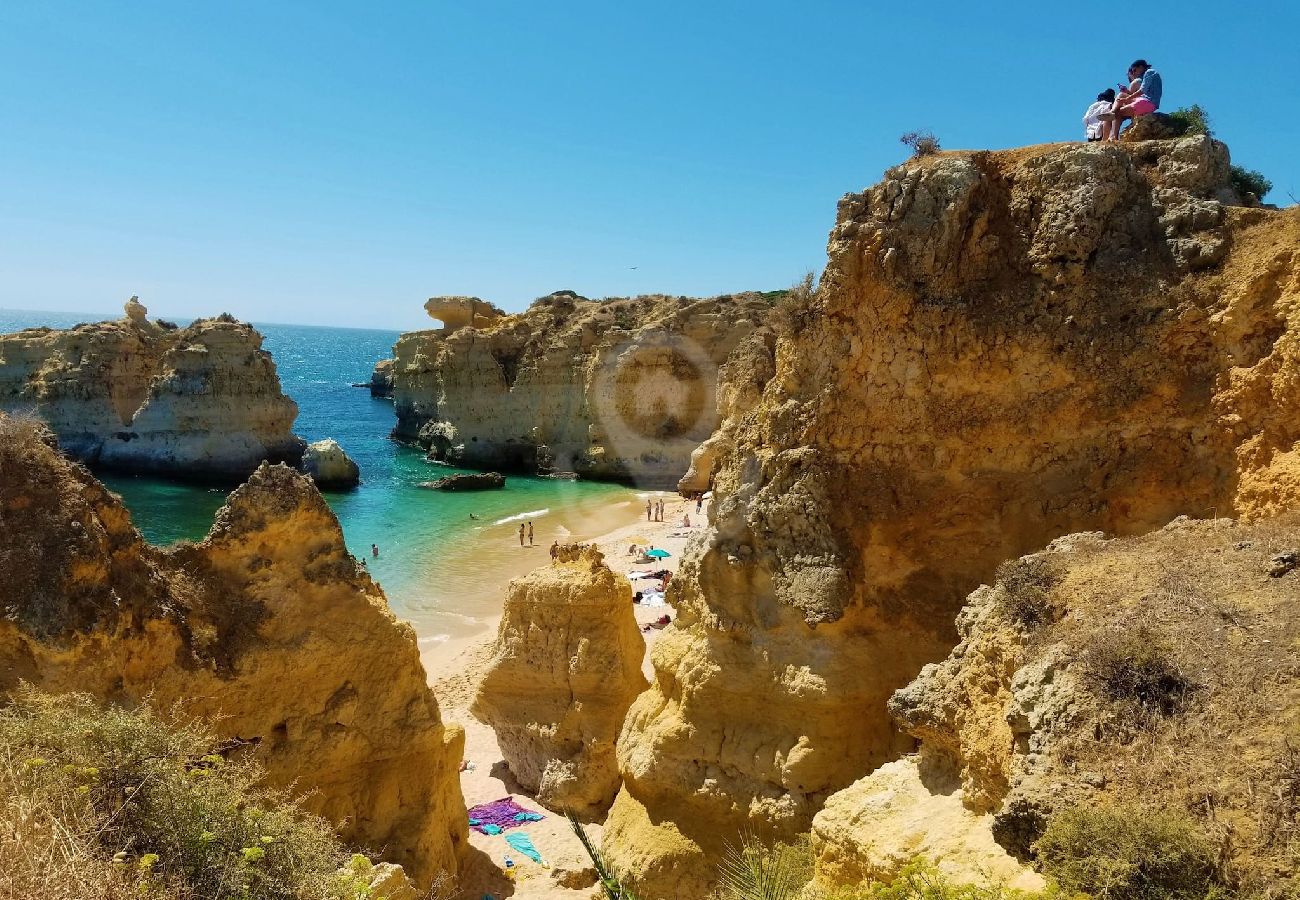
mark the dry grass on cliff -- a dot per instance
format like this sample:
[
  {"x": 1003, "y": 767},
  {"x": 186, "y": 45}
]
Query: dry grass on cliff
[
  {"x": 1188, "y": 650},
  {"x": 106, "y": 804}
]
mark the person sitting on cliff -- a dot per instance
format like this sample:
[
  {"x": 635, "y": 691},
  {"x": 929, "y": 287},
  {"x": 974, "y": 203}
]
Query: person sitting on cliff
[
  {"x": 1140, "y": 98},
  {"x": 1094, "y": 126}
]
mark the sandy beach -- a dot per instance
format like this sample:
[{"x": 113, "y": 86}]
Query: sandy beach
[{"x": 455, "y": 671}]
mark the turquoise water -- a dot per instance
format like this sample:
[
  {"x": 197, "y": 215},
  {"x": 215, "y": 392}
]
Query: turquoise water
[{"x": 440, "y": 568}]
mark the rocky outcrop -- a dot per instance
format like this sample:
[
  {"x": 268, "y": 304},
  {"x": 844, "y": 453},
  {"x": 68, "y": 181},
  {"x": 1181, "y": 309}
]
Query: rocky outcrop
[
  {"x": 618, "y": 389},
  {"x": 458, "y": 312},
  {"x": 198, "y": 402},
  {"x": 267, "y": 624},
  {"x": 1004, "y": 348},
  {"x": 326, "y": 463},
  {"x": 477, "y": 481},
  {"x": 1161, "y": 670},
  {"x": 381, "y": 379},
  {"x": 565, "y": 669}
]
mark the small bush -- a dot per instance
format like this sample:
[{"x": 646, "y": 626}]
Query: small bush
[
  {"x": 1250, "y": 183},
  {"x": 921, "y": 143},
  {"x": 1027, "y": 591},
  {"x": 793, "y": 312},
  {"x": 1192, "y": 120},
  {"x": 132, "y": 804},
  {"x": 1128, "y": 853},
  {"x": 1136, "y": 667}
]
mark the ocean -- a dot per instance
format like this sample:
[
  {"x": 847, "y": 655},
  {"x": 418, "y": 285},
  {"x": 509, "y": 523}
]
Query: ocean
[{"x": 441, "y": 569}]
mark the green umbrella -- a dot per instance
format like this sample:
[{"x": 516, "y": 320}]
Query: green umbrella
[{"x": 658, "y": 554}]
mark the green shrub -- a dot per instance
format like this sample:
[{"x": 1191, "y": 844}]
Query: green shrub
[
  {"x": 1192, "y": 120},
  {"x": 752, "y": 871},
  {"x": 1250, "y": 183},
  {"x": 1128, "y": 853},
  {"x": 148, "y": 807},
  {"x": 921, "y": 880}
]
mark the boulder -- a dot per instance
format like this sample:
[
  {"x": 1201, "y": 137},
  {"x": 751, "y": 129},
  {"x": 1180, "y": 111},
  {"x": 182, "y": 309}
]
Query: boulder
[
  {"x": 136, "y": 311},
  {"x": 326, "y": 463},
  {"x": 1154, "y": 127},
  {"x": 458, "y": 312},
  {"x": 478, "y": 481}
]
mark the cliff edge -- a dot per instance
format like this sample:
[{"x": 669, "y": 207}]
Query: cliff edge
[{"x": 1004, "y": 348}]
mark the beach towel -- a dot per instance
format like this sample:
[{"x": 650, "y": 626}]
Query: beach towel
[
  {"x": 524, "y": 844},
  {"x": 499, "y": 815}
]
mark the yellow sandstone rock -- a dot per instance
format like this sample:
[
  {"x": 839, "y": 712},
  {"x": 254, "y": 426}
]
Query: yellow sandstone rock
[
  {"x": 621, "y": 388},
  {"x": 267, "y": 623},
  {"x": 134, "y": 395},
  {"x": 1004, "y": 348},
  {"x": 566, "y": 667}
]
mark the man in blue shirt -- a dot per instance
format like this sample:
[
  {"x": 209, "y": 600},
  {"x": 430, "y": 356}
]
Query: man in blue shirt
[{"x": 1140, "y": 98}]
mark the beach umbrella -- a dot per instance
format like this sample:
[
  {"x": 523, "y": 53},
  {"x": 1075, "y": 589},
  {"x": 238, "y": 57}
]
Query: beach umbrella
[{"x": 658, "y": 554}]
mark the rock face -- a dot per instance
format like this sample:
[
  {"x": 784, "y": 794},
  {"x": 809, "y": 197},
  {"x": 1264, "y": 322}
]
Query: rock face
[
  {"x": 1004, "y": 348},
  {"x": 1163, "y": 669},
  {"x": 381, "y": 379},
  {"x": 618, "y": 389},
  {"x": 326, "y": 464},
  {"x": 566, "y": 667},
  {"x": 202, "y": 401},
  {"x": 478, "y": 481},
  {"x": 267, "y": 623}
]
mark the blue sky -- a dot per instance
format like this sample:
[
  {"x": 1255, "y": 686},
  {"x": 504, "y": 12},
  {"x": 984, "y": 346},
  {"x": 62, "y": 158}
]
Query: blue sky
[{"x": 336, "y": 164}]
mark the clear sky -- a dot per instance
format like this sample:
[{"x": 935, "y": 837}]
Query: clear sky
[{"x": 337, "y": 163}]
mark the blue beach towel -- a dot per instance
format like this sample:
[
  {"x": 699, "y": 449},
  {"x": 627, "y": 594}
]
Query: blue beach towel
[
  {"x": 524, "y": 844},
  {"x": 529, "y": 817}
]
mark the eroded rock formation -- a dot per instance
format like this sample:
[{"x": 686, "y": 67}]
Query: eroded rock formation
[
  {"x": 1160, "y": 670},
  {"x": 1004, "y": 348},
  {"x": 202, "y": 401},
  {"x": 566, "y": 667},
  {"x": 616, "y": 389},
  {"x": 326, "y": 463},
  {"x": 267, "y": 623}
]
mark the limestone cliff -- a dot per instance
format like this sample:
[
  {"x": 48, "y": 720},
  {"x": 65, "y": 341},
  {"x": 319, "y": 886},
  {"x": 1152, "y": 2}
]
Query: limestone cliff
[
  {"x": 1162, "y": 669},
  {"x": 565, "y": 669},
  {"x": 267, "y": 623},
  {"x": 202, "y": 401},
  {"x": 616, "y": 389},
  {"x": 1004, "y": 348}
]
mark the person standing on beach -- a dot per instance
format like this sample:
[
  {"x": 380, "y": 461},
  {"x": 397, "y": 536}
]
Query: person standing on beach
[
  {"x": 521, "y": 534},
  {"x": 647, "y": 510},
  {"x": 530, "y": 534},
  {"x": 555, "y": 551}
]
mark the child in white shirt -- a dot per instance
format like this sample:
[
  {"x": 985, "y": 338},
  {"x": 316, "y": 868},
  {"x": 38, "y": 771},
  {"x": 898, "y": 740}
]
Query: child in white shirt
[{"x": 1092, "y": 123}]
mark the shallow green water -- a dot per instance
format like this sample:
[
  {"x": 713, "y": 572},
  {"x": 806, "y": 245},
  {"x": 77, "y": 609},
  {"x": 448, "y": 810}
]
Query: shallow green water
[{"x": 440, "y": 568}]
